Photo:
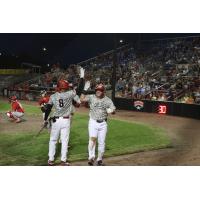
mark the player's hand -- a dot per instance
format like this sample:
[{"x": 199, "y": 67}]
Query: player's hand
[
  {"x": 82, "y": 72},
  {"x": 109, "y": 110},
  {"x": 45, "y": 123}
]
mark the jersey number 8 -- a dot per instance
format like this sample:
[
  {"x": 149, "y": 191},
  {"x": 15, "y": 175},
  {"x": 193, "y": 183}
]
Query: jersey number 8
[{"x": 61, "y": 104}]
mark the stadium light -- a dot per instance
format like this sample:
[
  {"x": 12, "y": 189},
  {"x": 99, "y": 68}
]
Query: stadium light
[
  {"x": 48, "y": 65},
  {"x": 121, "y": 41},
  {"x": 44, "y": 49}
]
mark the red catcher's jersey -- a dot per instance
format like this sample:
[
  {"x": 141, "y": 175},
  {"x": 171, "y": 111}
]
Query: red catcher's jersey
[
  {"x": 44, "y": 100},
  {"x": 17, "y": 107}
]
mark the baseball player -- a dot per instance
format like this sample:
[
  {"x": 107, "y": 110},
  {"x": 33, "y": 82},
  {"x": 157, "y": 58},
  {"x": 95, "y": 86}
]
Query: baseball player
[
  {"x": 100, "y": 105},
  {"x": 17, "y": 111},
  {"x": 62, "y": 101},
  {"x": 43, "y": 101},
  {"x": 74, "y": 104}
]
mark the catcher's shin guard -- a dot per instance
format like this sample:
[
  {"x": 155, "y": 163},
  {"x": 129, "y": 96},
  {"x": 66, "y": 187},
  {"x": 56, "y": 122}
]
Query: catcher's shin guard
[{"x": 10, "y": 115}]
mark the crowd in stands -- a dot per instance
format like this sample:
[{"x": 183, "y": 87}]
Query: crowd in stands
[{"x": 165, "y": 71}]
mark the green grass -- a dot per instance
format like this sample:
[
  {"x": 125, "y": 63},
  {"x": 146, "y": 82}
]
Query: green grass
[{"x": 122, "y": 138}]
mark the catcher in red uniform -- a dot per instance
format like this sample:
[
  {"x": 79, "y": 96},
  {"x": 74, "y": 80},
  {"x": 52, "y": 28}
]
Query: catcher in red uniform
[
  {"x": 43, "y": 101},
  {"x": 17, "y": 111}
]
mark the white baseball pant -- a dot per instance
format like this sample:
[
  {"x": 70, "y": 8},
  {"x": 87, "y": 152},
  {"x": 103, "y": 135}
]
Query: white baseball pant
[
  {"x": 17, "y": 115},
  {"x": 99, "y": 131},
  {"x": 59, "y": 128}
]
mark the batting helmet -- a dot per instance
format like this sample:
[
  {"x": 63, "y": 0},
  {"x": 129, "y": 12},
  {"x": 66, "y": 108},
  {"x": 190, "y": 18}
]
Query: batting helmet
[
  {"x": 100, "y": 87},
  {"x": 13, "y": 98},
  {"x": 63, "y": 84}
]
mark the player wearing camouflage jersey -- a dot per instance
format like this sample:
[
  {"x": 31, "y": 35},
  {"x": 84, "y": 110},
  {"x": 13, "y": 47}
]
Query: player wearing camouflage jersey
[
  {"x": 62, "y": 102},
  {"x": 100, "y": 105}
]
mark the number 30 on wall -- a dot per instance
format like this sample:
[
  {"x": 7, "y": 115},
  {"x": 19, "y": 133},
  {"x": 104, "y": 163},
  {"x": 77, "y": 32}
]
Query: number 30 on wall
[{"x": 162, "y": 109}]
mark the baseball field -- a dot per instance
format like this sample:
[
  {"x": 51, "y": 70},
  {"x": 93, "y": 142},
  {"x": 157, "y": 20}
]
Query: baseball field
[{"x": 19, "y": 146}]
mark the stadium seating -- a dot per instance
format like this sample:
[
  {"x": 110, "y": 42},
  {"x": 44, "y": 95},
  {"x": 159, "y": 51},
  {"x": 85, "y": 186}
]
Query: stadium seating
[{"x": 165, "y": 70}]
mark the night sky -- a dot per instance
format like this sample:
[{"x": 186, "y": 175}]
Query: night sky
[{"x": 65, "y": 48}]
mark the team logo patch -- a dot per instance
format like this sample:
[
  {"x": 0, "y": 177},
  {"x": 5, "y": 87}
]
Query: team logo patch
[{"x": 138, "y": 105}]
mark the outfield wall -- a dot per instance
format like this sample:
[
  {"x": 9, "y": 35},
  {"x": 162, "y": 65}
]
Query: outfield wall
[
  {"x": 164, "y": 108},
  {"x": 158, "y": 107}
]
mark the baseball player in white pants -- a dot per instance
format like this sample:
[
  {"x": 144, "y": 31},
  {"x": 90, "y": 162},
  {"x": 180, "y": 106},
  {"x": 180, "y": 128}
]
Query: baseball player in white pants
[
  {"x": 60, "y": 128},
  {"x": 100, "y": 105},
  {"x": 62, "y": 101}
]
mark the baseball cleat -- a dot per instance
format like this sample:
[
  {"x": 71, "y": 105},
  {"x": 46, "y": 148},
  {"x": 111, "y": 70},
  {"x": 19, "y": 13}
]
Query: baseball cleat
[
  {"x": 50, "y": 163},
  {"x": 91, "y": 162},
  {"x": 64, "y": 163},
  {"x": 100, "y": 163}
]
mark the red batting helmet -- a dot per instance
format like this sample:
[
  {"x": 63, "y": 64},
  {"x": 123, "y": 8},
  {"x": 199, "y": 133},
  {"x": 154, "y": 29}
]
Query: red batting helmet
[
  {"x": 100, "y": 87},
  {"x": 13, "y": 98},
  {"x": 63, "y": 84}
]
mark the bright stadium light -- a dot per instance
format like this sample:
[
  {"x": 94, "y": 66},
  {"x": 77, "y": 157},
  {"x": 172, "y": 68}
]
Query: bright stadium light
[
  {"x": 121, "y": 41},
  {"x": 44, "y": 49},
  {"x": 48, "y": 65}
]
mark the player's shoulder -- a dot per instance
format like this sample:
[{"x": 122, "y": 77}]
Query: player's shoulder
[
  {"x": 53, "y": 96},
  {"x": 92, "y": 96},
  {"x": 16, "y": 102},
  {"x": 108, "y": 99},
  {"x": 69, "y": 93}
]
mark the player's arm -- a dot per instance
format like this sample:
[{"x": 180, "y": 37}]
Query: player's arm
[
  {"x": 49, "y": 106},
  {"x": 41, "y": 105},
  {"x": 111, "y": 109},
  {"x": 76, "y": 101},
  {"x": 47, "y": 111},
  {"x": 40, "y": 102},
  {"x": 81, "y": 82},
  {"x": 85, "y": 98},
  {"x": 82, "y": 90}
]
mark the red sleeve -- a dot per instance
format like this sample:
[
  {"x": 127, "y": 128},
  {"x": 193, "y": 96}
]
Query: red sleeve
[
  {"x": 44, "y": 100},
  {"x": 47, "y": 99},
  {"x": 40, "y": 101}
]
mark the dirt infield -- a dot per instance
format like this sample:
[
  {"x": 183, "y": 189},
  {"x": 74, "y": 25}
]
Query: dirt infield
[{"x": 184, "y": 133}]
